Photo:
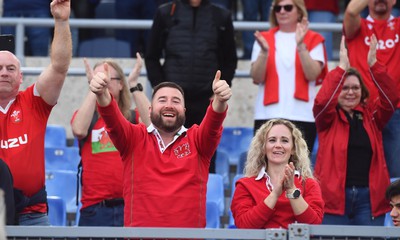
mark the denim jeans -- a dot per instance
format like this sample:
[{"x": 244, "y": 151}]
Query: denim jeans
[
  {"x": 253, "y": 10},
  {"x": 324, "y": 17},
  {"x": 34, "y": 219},
  {"x": 357, "y": 210},
  {"x": 38, "y": 37},
  {"x": 391, "y": 144},
  {"x": 99, "y": 215}
]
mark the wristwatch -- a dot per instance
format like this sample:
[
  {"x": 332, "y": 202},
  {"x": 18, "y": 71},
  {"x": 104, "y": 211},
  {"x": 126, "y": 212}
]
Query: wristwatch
[
  {"x": 138, "y": 87},
  {"x": 294, "y": 195}
]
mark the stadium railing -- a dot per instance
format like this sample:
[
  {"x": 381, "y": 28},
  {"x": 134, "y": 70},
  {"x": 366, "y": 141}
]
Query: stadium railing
[{"x": 295, "y": 232}]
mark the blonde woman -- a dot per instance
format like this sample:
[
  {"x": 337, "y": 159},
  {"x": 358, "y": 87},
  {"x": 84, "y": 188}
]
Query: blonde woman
[{"x": 278, "y": 188}]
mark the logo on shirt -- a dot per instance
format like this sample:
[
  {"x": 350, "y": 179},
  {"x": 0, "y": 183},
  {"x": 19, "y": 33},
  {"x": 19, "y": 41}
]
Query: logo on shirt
[
  {"x": 14, "y": 142},
  {"x": 383, "y": 44},
  {"x": 16, "y": 116},
  {"x": 182, "y": 150},
  {"x": 101, "y": 141}
]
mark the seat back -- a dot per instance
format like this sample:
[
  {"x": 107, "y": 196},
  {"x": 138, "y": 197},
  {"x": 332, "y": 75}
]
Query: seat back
[
  {"x": 234, "y": 141},
  {"x": 222, "y": 166},
  {"x": 62, "y": 183},
  {"x": 55, "y": 136},
  {"x": 104, "y": 48},
  {"x": 57, "y": 211},
  {"x": 241, "y": 163},
  {"x": 215, "y": 191},
  {"x": 212, "y": 215}
]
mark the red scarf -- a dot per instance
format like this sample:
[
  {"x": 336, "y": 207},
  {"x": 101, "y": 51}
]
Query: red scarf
[{"x": 271, "y": 89}]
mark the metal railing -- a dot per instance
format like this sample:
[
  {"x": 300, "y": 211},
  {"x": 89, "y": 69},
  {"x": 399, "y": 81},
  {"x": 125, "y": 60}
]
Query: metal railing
[
  {"x": 22, "y": 23},
  {"x": 295, "y": 232}
]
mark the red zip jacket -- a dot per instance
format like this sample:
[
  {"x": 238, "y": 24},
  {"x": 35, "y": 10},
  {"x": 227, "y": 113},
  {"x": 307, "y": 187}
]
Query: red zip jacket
[{"x": 333, "y": 134}]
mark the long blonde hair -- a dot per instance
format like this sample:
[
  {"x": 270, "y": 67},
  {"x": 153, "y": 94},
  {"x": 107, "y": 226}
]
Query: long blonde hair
[
  {"x": 124, "y": 101},
  {"x": 301, "y": 7},
  {"x": 256, "y": 157}
]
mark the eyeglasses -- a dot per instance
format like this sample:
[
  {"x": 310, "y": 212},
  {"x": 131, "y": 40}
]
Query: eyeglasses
[
  {"x": 115, "y": 78},
  {"x": 354, "y": 88},
  {"x": 287, "y": 8}
]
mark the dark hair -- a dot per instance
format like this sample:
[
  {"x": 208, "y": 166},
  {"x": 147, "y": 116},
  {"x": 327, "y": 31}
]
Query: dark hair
[
  {"x": 167, "y": 84},
  {"x": 364, "y": 89},
  {"x": 393, "y": 189}
]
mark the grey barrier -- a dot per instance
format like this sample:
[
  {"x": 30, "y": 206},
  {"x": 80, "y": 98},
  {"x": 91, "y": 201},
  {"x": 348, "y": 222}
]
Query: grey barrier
[
  {"x": 22, "y": 23},
  {"x": 295, "y": 232}
]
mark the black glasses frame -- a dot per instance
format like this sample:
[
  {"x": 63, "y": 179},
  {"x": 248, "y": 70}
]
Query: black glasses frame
[{"x": 287, "y": 8}]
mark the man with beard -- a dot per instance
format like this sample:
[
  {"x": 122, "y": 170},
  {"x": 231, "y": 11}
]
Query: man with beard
[
  {"x": 165, "y": 164},
  {"x": 387, "y": 30}
]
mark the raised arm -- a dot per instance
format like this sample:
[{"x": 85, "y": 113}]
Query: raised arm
[
  {"x": 352, "y": 18},
  {"x": 140, "y": 98},
  {"x": 311, "y": 67},
  {"x": 52, "y": 78},
  {"x": 83, "y": 117},
  {"x": 222, "y": 93},
  {"x": 258, "y": 68}
]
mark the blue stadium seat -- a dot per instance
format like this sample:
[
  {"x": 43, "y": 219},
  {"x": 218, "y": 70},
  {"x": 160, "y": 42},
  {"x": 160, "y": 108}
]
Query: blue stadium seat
[
  {"x": 62, "y": 183},
  {"x": 62, "y": 158},
  {"x": 55, "y": 158},
  {"x": 57, "y": 211},
  {"x": 241, "y": 163},
  {"x": 215, "y": 191},
  {"x": 56, "y": 136},
  {"x": 314, "y": 152},
  {"x": 73, "y": 158},
  {"x": 231, "y": 220},
  {"x": 222, "y": 166},
  {"x": 234, "y": 141},
  {"x": 104, "y": 47},
  {"x": 212, "y": 215}
]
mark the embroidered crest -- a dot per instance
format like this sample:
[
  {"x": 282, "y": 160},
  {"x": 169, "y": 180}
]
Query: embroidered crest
[
  {"x": 391, "y": 25},
  {"x": 16, "y": 116},
  {"x": 182, "y": 150}
]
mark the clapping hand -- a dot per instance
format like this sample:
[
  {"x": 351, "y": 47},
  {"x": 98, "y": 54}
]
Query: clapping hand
[
  {"x": 343, "y": 57},
  {"x": 372, "y": 50}
]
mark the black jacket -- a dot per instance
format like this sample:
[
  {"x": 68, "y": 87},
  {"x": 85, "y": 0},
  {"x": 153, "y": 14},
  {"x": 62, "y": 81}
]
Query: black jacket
[{"x": 196, "y": 42}]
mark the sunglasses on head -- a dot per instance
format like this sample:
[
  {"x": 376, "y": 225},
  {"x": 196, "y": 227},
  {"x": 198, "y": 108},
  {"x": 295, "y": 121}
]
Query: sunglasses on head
[{"x": 287, "y": 8}]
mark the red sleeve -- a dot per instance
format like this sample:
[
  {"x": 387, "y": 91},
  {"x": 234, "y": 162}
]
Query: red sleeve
[
  {"x": 313, "y": 196},
  {"x": 384, "y": 106},
  {"x": 327, "y": 98},
  {"x": 117, "y": 126}
]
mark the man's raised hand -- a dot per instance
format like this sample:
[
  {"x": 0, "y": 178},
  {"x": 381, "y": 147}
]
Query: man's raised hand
[
  {"x": 221, "y": 89},
  {"x": 60, "y": 9}
]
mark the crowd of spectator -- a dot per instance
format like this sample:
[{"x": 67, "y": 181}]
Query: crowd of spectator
[{"x": 356, "y": 105}]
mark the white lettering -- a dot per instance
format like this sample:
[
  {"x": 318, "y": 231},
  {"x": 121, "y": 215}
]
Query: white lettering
[
  {"x": 382, "y": 44},
  {"x": 14, "y": 142}
]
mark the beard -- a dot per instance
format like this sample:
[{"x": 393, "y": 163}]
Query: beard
[
  {"x": 159, "y": 123},
  {"x": 379, "y": 8}
]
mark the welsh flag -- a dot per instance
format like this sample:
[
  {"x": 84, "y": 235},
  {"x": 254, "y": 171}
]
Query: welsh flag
[{"x": 101, "y": 142}]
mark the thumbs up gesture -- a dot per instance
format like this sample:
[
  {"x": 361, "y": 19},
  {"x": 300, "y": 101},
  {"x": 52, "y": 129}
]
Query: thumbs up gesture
[
  {"x": 222, "y": 93},
  {"x": 98, "y": 85}
]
